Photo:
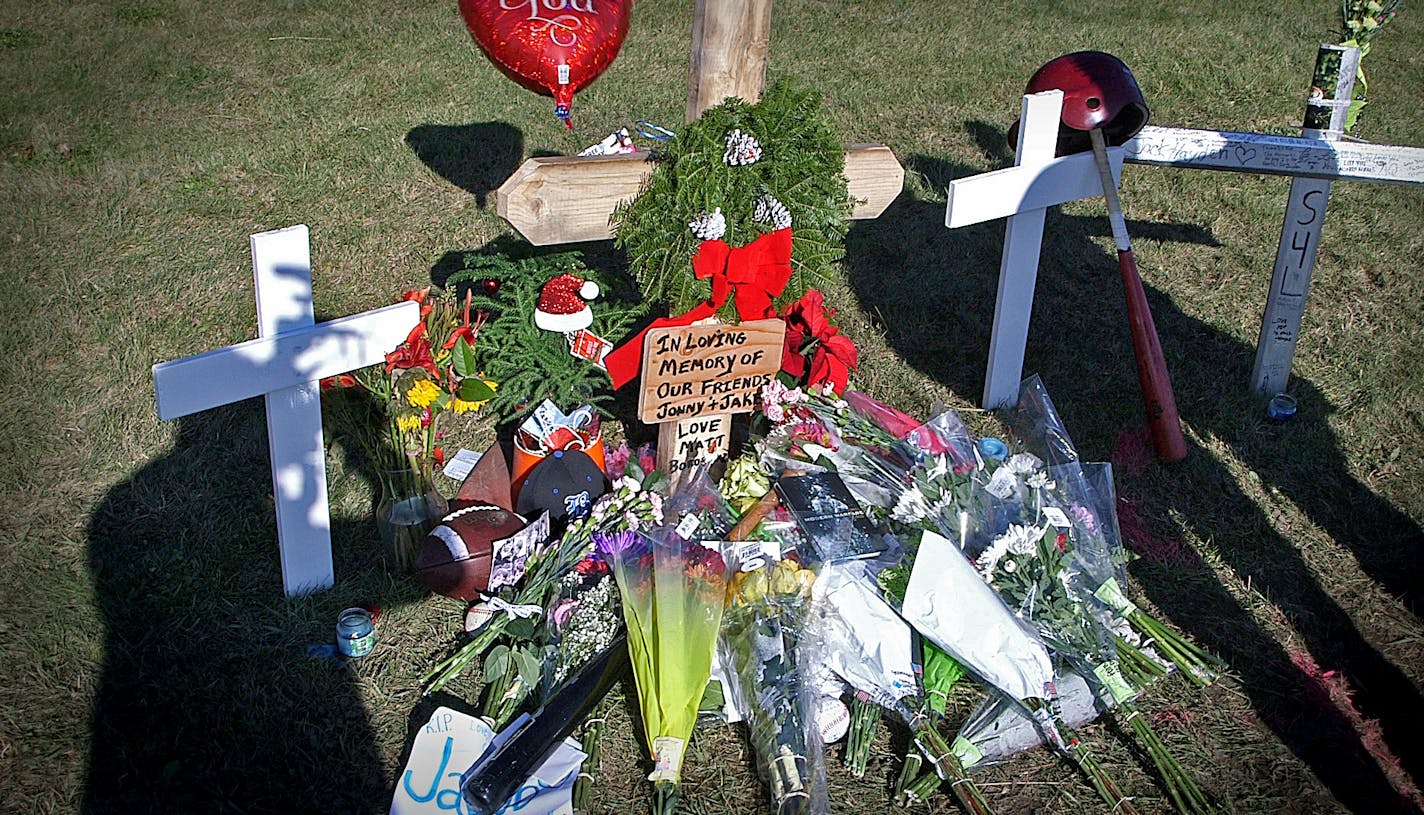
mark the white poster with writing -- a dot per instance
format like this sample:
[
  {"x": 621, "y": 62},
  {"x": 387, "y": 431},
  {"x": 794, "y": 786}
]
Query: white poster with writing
[{"x": 449, "y": 744}]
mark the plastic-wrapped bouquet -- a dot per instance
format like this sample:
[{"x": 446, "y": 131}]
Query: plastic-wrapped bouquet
[
  {"x": 763, "y": 646},
  {"x": 873, "y": 649},
  {"x": 627, "y": 507},
  {"x": 673, "y": 584}
]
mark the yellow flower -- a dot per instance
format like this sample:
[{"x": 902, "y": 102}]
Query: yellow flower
[
  {"x": 461, "y": 406},
  {"x": 423, "y": 393},
  {"x": 408, "y": 423}
]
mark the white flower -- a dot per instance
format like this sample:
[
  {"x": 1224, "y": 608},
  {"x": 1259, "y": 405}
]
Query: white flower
[
  {"x": 1010, "y": 566},
  {"x": 1038, "y": 480},
  {"x": 910, "y": 507},
  {"x": 1024, "y": 463},
  {"x": 989, "y": 558},
  {"x": 1019, "y": 539}
]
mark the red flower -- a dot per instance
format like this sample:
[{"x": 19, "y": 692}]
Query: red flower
[
  {"x": 413, "y": 353},
  {"x": 419, "y": 296},
  {"x": 338, "y": 381},
  {"x": 466, "y": 329},
  {"x": 815, "y": 351},
  {"x": 438, "y": 453}
]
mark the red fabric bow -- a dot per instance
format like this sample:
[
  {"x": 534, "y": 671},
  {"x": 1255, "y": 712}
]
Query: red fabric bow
[{"x": 755, "y": 273}]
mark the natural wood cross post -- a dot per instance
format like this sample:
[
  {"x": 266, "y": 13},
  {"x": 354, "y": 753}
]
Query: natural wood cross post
[
  {"x": 566, "y": 199},
  {"x": 283, "y": 366}
]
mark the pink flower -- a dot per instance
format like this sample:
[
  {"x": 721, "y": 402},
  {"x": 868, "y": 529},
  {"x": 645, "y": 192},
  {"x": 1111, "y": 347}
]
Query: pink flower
[
  {"x": 616, "y": 461},
  {"x": 563, "y": 610}
]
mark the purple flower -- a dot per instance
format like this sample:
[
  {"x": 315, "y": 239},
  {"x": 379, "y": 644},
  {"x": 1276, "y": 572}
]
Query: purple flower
[{"x": 615, "y": 544}]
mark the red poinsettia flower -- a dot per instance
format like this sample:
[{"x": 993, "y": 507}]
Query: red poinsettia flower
[
  {"x": 815, "y": 351},
  {"x": 413, "y": 353}
]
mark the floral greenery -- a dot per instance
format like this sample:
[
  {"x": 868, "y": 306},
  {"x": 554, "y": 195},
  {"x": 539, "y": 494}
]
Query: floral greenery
[
  {"x": 532, "y": 364},
  {"x": 801, "y": 167},
  {"x": 1361, "y": 21}
]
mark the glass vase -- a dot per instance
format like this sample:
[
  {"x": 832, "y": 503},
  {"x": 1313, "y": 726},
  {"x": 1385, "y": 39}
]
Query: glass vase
[{"x": 410, "y": 507}]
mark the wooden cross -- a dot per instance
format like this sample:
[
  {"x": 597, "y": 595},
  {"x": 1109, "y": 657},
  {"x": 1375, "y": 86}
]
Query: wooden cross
[
  {"x": 284, "y": 366},
  {"x": 566, "y": 199},
  {"x": 1312, "y": 162},
  {"x": 1023, "y": 193}
]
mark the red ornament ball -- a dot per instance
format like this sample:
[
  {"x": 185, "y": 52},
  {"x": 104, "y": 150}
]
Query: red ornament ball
[
  {"x": 490, "y": 286},
  {"x": 553, "y": 47}
]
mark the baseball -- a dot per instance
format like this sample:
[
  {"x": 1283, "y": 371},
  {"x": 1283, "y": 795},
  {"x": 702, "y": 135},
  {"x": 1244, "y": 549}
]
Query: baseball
[{"x": 832, "y": 719}]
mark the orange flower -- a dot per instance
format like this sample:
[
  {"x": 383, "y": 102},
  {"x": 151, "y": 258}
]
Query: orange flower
[{"x": 419, "y": 296}]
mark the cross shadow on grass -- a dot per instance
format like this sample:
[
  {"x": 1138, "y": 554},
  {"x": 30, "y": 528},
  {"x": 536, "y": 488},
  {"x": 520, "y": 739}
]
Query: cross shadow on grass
[{"x": 1080, "y": 344}]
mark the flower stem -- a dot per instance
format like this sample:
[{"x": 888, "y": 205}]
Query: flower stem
[
  {"x": 666, "y": 795},
  {"x": 864, "y": 722},
  {"x": 1186, "y": 796},
  {"x": 583, "y": 785}
]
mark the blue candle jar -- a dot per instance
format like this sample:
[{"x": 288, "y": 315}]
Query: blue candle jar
[{"x": 355, "y": 632}]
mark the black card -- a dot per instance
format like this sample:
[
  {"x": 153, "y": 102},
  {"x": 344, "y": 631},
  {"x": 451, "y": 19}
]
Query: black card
[{"x": 829, "y": 516}]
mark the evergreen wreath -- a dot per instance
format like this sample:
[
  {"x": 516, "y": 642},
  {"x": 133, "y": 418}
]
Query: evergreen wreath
[
  {"x": 528, "y": 363},
  {"x": 735, "y": 164}
]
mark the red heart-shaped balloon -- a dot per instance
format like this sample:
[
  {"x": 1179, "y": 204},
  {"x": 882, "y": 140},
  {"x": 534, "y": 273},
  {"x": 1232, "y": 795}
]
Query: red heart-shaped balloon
[{"x": 553, "y": 47}]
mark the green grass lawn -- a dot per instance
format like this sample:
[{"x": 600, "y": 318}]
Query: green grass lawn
[{"x": 147, "y": 659}]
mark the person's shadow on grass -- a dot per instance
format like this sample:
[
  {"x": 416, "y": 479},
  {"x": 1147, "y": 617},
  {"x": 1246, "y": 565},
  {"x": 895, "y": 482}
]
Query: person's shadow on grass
[
  {"x": 1080, "y": 344},
  {"x": 208, "y": 700}
]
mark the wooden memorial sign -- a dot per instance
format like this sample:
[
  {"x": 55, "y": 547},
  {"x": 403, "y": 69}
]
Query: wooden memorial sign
[{"x": 695, "y": 377}]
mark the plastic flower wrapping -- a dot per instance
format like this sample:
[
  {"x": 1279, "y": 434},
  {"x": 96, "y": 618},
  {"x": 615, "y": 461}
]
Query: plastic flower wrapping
[
  {"x": 766, "y": 645},
  {"x": 672, "y": 580}
]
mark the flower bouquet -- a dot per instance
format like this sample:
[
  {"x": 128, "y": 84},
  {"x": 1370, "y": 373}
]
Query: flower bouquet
[
  {"x": 392, "y": 413},
  {"x": 763, "y": 644},
  {"x": 1033, "y": 571},
  {"x": 873, "y": 649},
  {"x": 1083, "y": 494},
  {"x": 628, "y": 507},
  {"x": 948, "y": 602},
  {"x": 673, "y": 588}
]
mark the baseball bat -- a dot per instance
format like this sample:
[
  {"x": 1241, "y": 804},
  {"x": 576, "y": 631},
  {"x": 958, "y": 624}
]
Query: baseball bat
[{"x": 1152, "y": 378}]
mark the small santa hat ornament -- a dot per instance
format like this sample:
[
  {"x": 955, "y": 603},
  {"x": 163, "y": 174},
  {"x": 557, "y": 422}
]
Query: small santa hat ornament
[{"x": 563, "y": 304}]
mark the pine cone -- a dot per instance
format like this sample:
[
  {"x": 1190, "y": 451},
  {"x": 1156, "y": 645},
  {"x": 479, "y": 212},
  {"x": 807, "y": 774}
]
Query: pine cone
[
  {"x": 709, "y": 226},
  {"x": 742, "y": 149},
  {"x": 768, "y": 210}
]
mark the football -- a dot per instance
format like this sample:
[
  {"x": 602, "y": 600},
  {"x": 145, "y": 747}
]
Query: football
[{"x": 456, "y": 558}]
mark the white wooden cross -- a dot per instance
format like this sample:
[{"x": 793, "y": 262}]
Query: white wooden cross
[
  {"x": 284, "y": 365},
  {"x": 1023, "y": 194}
]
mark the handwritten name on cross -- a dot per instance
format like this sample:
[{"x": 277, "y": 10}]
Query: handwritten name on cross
[
  {"x": 1313, "y": 160},
  {"x": 1023, "y": 193},
  {"x": 284, "y": 365}
]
